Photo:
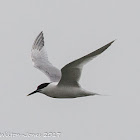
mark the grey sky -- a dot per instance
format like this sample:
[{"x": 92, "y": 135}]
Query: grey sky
[{"x": 71, "y": 29}]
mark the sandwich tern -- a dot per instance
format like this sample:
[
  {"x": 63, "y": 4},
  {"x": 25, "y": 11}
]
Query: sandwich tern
[{"x": 64, "y": 82}]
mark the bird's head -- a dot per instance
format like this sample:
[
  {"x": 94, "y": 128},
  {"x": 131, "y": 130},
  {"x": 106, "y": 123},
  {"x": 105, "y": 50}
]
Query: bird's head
[{"x": 39, "y": 88}]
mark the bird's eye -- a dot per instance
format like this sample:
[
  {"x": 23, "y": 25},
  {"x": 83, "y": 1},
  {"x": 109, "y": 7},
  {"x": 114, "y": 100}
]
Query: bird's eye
[{"x": 42, "y": 85}]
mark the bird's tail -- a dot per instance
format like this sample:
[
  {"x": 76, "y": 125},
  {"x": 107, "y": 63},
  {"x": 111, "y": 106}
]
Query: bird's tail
[{"x": 102, "y": 94}]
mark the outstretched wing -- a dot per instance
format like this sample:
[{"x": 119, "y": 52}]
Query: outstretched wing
[
  {"x": 71, "y": 72},
  {"x": 40, "y": 59}
]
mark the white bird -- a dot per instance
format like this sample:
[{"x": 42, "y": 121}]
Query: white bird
[{"x": 64, "y": 83}]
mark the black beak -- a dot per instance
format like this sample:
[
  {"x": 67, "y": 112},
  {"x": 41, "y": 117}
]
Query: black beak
[{"x": 32, "y": 92}]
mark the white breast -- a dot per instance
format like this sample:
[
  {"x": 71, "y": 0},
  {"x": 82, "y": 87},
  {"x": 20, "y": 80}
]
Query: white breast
[{"x": 55, "y": 91}]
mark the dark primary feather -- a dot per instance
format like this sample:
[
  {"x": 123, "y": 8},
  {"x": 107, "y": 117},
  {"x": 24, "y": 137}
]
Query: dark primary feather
[{"x": 39, "y": 42}]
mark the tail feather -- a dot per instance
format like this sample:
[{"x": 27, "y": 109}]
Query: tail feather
[{"x": 102, "y": 94}]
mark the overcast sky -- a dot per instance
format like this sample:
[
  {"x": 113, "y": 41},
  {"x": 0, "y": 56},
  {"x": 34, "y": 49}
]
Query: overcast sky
[{"x": 72, "y": 28}]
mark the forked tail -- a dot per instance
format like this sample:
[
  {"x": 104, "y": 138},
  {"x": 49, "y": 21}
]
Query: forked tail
[{"x": 101, "y": 94}]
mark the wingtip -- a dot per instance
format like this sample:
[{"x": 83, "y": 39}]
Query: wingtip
[
  {"x": 39, "y": 41},
  {"x": 41, "y": 32},
  {"x": 113, "y": 41}
]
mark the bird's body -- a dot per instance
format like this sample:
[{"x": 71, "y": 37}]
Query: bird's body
[
  {"x": 55, "y": 91},
  {"x": 64, "y": 83}
]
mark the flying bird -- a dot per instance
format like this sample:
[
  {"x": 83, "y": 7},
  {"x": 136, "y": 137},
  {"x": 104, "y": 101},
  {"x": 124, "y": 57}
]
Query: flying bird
[{"x": 65, "y": 82}]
